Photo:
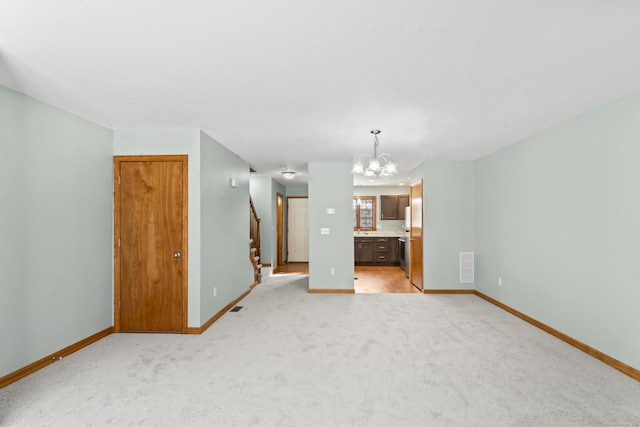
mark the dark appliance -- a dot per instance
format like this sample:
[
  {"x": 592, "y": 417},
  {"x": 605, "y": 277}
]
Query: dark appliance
[{"x": 403, "y": 254}]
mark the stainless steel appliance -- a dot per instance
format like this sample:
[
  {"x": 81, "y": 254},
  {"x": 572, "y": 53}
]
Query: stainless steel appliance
[
  {"x": 403, "y": 254},
  {"x": 405, "y": 258}
]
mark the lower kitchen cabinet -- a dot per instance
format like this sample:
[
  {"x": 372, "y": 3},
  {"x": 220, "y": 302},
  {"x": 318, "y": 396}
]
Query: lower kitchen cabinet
[
  {"x": 363, "y": 250},
  {"x": 376, "y": 251}
]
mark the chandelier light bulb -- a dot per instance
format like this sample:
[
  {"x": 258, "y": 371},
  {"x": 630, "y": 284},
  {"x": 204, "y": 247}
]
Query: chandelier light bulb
[
  {"x": 358, "y": 167},
  {"x": 391, "y": 168}
]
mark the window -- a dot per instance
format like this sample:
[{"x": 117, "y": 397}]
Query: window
[{"x": 364, "y": 213}]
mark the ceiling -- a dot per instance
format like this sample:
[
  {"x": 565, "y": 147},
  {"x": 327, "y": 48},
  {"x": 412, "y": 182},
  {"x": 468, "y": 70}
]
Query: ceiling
[{"x": 282, "y": 83}]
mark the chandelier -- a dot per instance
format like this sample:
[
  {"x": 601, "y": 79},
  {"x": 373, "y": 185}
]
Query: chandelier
[{"x": 378, "y": 165}]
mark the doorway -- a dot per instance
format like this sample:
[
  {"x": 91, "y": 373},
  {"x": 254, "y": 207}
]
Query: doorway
[
  {"x": 415, "y": 251},
  {"x": 297, "y": 229},
  {"x": 150, "y": 243}
]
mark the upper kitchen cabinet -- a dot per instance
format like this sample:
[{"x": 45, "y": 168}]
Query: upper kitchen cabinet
[{"x": 392, "y": 206}]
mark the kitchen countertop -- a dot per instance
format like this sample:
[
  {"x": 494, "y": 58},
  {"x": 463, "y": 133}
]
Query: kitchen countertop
[{"x": 379, "y": 233}]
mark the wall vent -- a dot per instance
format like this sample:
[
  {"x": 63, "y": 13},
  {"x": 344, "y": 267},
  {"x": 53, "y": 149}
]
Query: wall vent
[{"x": 467, "y": 267}]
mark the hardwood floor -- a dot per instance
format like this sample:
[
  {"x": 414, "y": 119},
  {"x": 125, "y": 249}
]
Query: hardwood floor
[
  {"x": 293, "y": 268},
  {"x": 368, "y": 279},
  {"x": 382, "y": 280}
]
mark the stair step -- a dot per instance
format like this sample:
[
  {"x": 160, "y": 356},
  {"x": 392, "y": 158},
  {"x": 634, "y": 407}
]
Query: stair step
[
  {"x": 254, "y": 249},
  {"x": 258, "y": 267},
  {"x": 256, "y": 258}
]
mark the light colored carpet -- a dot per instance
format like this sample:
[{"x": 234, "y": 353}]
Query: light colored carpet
[{"x": 290, "y": 358}]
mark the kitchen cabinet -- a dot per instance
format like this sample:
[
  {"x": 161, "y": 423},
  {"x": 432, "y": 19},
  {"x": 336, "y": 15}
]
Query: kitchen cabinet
[
  {"x": 376, "y": 251},
  {"x": 363, "y": 250},
  {"x": 392, "y": 206}
]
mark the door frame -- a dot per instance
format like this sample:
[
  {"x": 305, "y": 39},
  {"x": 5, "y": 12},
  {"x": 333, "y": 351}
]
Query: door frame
[{"x": 117, "y": 160}]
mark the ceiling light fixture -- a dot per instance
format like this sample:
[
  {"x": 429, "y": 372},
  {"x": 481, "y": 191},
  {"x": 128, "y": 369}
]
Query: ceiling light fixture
[
  {"x": 287, "y": 174},
  {"x": 378, "y": 165}
]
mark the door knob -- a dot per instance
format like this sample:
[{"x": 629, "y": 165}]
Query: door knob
[{"x": 177, "y": 255}]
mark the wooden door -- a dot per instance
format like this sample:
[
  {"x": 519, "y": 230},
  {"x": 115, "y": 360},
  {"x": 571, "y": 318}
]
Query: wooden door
[
  {"x": 279, "y": 203},
  {"x": 297, "y": 229},
  {"x": 415, "y": 251},
  {"x": 150, "y": 222}
]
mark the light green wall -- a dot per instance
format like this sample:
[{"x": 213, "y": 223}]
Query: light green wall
[
  {"x": 224, "y": 233},
  {"x": 448, "y": 220},
  {"x": 377, "y": 191},
  {"x": 56, "y": 227},
  {"x": 331, "y": 186},
  {"x": 297, "y": 191},
  {"x": 145, "y": 141},
  {"x": 558, "y": 220}
]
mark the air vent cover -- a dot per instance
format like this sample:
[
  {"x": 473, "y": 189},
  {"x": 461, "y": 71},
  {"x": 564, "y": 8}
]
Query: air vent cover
[{"x": 467, "y": 267}]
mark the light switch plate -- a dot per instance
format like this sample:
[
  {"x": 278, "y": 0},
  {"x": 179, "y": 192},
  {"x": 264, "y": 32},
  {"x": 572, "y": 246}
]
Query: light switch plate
[
  {"x": 331, "y": 211},
  {"x": 324, "y": 231}
]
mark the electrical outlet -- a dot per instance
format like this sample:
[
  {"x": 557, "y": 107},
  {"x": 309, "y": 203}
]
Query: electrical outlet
[
  {"x": 499, "y": 281},
  {"x": 332, "y": 271},
  {"x": 215, "y": 291}
]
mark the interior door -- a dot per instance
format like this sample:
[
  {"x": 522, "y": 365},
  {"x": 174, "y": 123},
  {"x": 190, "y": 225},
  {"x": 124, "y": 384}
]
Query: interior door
[
  {"x": 151, "y": 241},
  {"x": 415, "y": 252},
  {"x": 298, "y": 229}
]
